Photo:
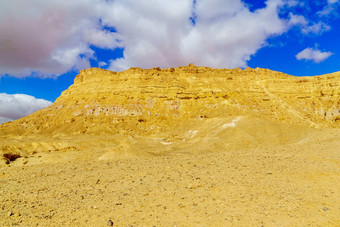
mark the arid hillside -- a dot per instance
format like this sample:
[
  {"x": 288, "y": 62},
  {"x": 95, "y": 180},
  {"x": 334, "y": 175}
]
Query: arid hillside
[
  {"x": 141, "y": 102},
  {"x": 187, "y": 146}
]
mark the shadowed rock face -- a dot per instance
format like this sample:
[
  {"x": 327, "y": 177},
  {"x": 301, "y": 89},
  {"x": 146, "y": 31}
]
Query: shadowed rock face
[{"x": 147, "y": 101}]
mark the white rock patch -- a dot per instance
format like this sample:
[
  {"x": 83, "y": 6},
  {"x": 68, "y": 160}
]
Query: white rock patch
[{"x": 232, "y": 124}]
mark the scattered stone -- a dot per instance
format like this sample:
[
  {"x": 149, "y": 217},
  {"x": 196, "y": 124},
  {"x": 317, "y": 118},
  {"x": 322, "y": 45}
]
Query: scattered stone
[
  {"x": 10, "y": 213},
  {"x": 109, "y": 223},
  {"x": 10, "y": 157},
  {"x": 325, "y": 208}
]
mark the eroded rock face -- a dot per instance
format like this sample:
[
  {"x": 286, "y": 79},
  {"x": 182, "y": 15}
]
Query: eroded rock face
[{"x": 146, "y": 101}]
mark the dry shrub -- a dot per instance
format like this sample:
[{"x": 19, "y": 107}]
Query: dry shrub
[{"x": 10, "y": 157}]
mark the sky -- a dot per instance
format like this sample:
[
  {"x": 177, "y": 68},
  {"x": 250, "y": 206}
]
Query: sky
[{"x": 44, "y": 44}]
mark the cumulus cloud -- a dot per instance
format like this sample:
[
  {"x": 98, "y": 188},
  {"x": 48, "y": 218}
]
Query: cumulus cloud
[
  {"x": 102, "y": 64},
  {"x": 313, "y": 54},
  {"x": 225, "y": 33},
  {"x": 316, "y": 28},
  {"x": 15, "y": 106},
  {"x": 50, "y": 38},
  {"x": 306, "y": 26},
  {"x": 102, "y": 39},
  {"x": 330, "y": 9},
  {"x": 297, "y": 20},
  {"x": 53, "y": 37}
]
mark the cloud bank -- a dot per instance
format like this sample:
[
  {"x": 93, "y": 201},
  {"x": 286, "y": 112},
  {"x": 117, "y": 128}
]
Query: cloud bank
[
  {"x": 49, "y": 38},
  {"x": 15, "y": 106},
  {"x": 224, "y": 33},
  {"x": 313, "y": 54}
]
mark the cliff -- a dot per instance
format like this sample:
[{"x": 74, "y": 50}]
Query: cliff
[
  {"x": 148, "y": 101},
  {"x": 167, "y": 102}
]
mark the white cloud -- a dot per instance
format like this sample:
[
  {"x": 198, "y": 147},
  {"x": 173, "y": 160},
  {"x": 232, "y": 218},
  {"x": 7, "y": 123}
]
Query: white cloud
[
  {"x": 313, "y": 54},
  {"x": 297, "y": 20},
  {"x": 53, "y": 37},
  {"x": 102, "y": 39},
  {"x": 15, "y": 106},
  {"x": 48, "y": 37},
  {"x": 317, "y": 28},
  {"x": 102, "y": 64},
  {"x": 292, "y": 3},
  {"x": 307, "y": 27},
  {"x": 330, "y": 9},
  {"x": 226, "y": 33}
]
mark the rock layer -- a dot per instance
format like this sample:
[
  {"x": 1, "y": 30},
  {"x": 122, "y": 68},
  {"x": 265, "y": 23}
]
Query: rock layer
[
  {"x": 141, "y": 101},
  {"x": 149, "y": 102}
]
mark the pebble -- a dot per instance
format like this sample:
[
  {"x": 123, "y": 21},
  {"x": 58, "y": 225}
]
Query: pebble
[
  {"x": 325, "y": 208},
  {"x": 109, "y": 223},
  {"x": 190, "y": 186},
  {"x": 10, "y": 213}
]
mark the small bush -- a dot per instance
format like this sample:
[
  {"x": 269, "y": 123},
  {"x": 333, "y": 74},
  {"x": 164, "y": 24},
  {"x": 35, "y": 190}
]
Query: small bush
[{"x": 10, "y": 157}]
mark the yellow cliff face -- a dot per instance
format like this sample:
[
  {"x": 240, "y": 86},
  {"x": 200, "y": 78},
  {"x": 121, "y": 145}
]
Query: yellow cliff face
[
  {"x": 169, "y": 103},
  {"x": 174, "y": 105},
  {"x": 140, "y": 101}
]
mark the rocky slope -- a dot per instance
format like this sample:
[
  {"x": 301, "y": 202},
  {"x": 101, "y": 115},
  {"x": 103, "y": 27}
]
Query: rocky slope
[
  {"x": 170, "y": 103},
  {"x": 141, "y": 101}
]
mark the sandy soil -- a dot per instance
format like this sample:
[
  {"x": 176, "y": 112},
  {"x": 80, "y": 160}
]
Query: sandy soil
[{"x": 293, "y": 184}]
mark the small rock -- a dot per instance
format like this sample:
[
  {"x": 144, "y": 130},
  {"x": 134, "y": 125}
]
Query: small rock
[
  {"x": 10, "y": 213},
  {"x": 109, "y": 223},
  {"x": 325, "y": 208}
]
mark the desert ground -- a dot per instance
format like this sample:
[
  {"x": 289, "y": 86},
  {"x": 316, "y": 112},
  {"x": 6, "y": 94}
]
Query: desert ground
[{"x": 218, "y": 173}]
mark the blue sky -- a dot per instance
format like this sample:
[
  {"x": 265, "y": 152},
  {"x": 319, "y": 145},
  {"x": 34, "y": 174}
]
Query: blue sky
[{"x": 44, "y": 44}]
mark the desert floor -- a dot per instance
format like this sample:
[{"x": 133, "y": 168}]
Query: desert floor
[{"x": 293, "y": 184}]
